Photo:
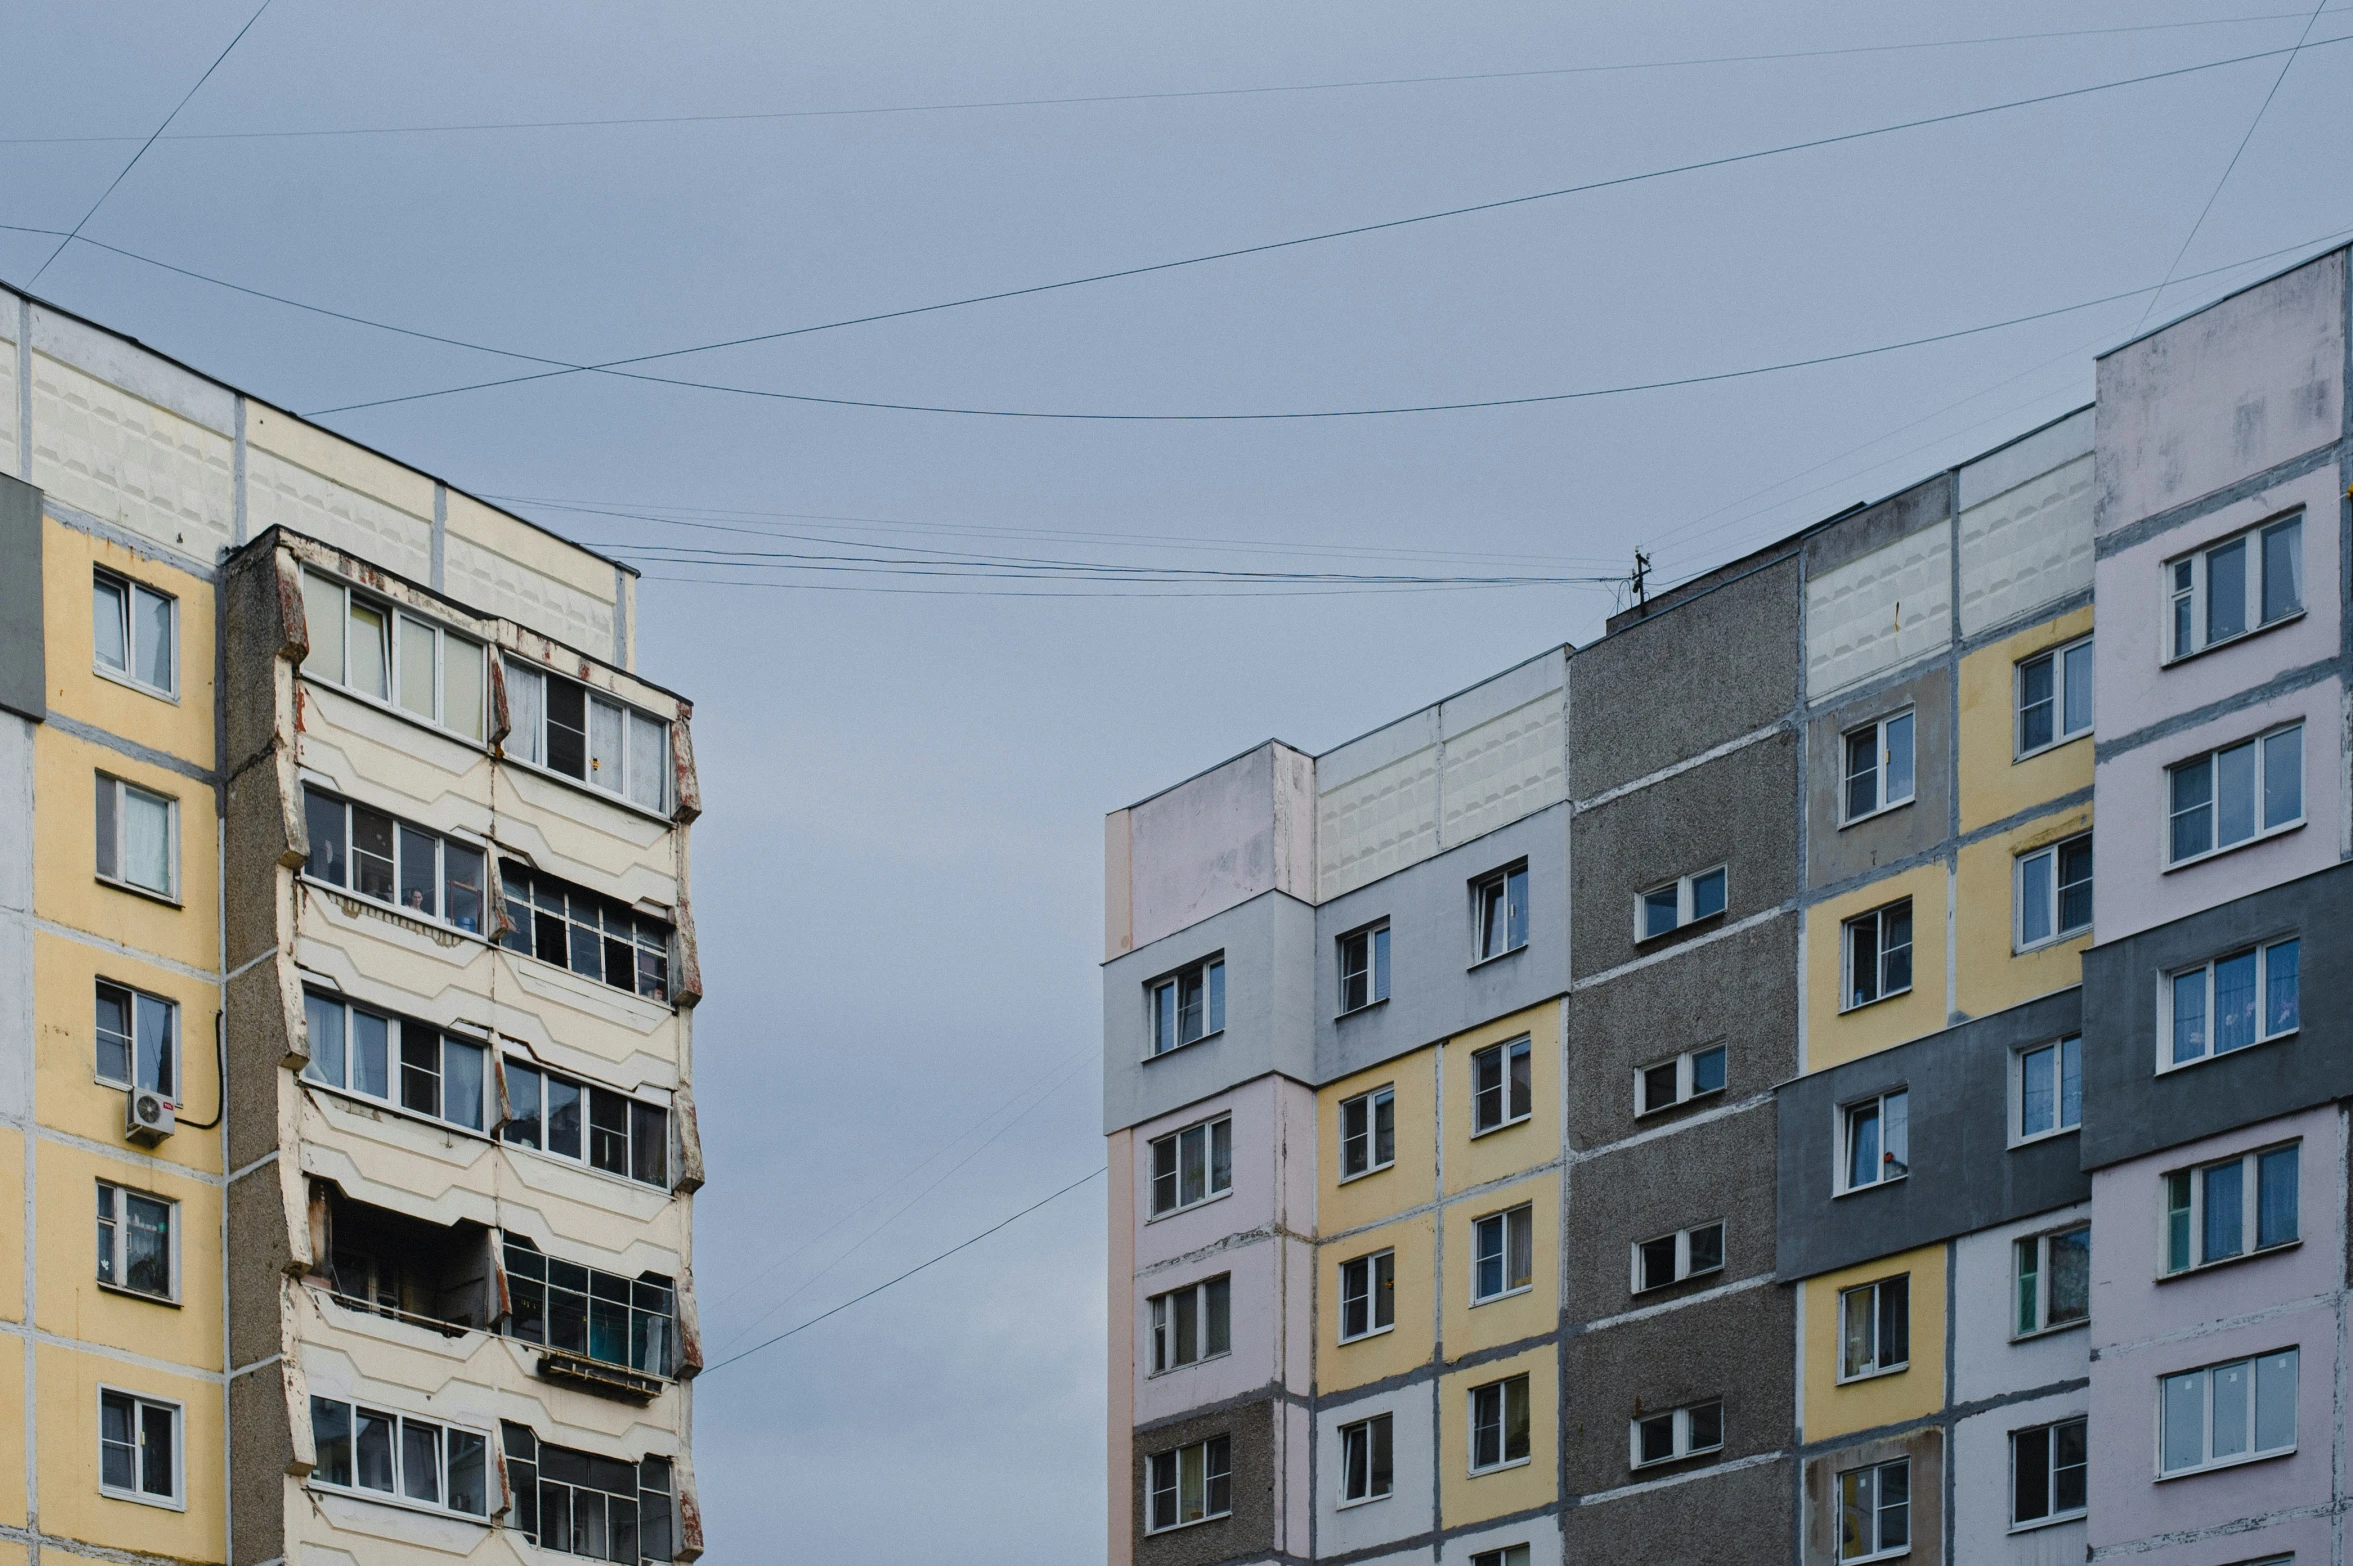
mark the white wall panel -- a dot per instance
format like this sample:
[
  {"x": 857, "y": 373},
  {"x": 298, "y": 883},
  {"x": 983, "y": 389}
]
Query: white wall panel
[
  {"x": 1505, "y": 768},
  {"x": 1378, "y": 823},
  {"x": 2027, "y": 547},
  {"x": 502, "y": 585},
  {"x": 278, "y": 493},
  {"x": 128, "y": 461},
  {"x": 8, "y": 391},
  {"x": 1879, "y": 612}
]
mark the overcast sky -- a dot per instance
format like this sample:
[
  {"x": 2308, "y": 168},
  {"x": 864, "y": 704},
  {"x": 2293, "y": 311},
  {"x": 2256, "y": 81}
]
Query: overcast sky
[{"x": 898, "y": 875}]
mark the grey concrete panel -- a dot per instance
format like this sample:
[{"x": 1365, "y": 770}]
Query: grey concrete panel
[
  {"x": 2131, "y": 1110},
  {"x": 1732, "y": 1519},
  {"x": 1926, "y": 1450},
  {"x": 1733, "y": 811},
  {"x": 1964, "y": 1174},
  {"x": 1684, "y": 679},
  {"x": 1735, "y": 1347},
  {"x": 1841, "y": 852},
  {"x": 1434, "y": 991},
  {"x": 1270, "y": 955},
  {"x": 1740, "y": 991},
  {"x": 1899, "y": 516},
  {"x": 1704, "y": 1174},
  {"x": 24, "y": 677},
  {"x": 1250, "y": 1530}
]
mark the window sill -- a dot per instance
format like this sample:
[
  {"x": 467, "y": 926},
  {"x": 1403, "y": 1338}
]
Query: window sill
[
  {"x": 1874, "y": 1375},
  {"x": 2060, "y": 743},
  {"x": 1366, "y": 1174},
  {"x": 1508, "y": 1294},
  {"x": 165, "y": 898},
  {"x": 1481, "y": 962},
  {"x": 1681, "y": 1103},
  {"x": 2040, "y": 1333},
  {"x": 1875, "y": 1000},
  {"x": 1497, "y": 1468},
  {"x": 115, "y": 677},
  {"x": 1504, "y": 1125},
  {"x": 2231, "y": 1261},
  {"x": 1658, "y": 1463},
  {"x": 2041, "y": 1523},
  {"x": 2018, "y": 949},
  {"x": 1154, "y": 1533},
  {"x": 1854, "y": 821},
  {"x": 1157, "y": 1054},
  {"x": 160, "y": 1503},
  {"x": 129, "y": 1293},
  {"x": 2227, "y": 1462},
  {"x": 1358, "y": 1011},
  {"x": 2168, "y": 1067},
  {"x": 396, "y": 1502},
  {"x": 1661, "y": 1288},
  {"x": 1206, "y": 1359},
  {"x": 1858, "y": 1190},
  {"x": 1367, "y": 1337},
  {"x": 1190, "y": 1207},
  {"x": 2044, "y": 1136},
  {"x": 1876, "y": 1555},
  {"x": 2178, "y": 659},
  {"x": 1687, "y": 925},
  {"x": 2264, "y": 836},
  {"x": 1362, "y": 1500}
]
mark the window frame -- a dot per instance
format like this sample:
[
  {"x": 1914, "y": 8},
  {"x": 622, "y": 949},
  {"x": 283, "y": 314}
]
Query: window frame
[
  {"x": 177, "y": 1499},
  {"x": 1472, "y": 1426},
  {"x": 2042, "y": 1276},
  {"x": 1511, "y": 881},
  {"x": 2262, "y": 951},
  {"x": 396, "y": 1066},
  {"x": 543, "y": 1278},
  {"x": 167, "y": 1057},
  {"x": 120, "y": 786},
  {"x": 2208, "y": 1463},
  {"x": 1681, "y": 1444},
  {"x": 1220, "y": 1446},
  {"x": 392, "y": 700},
  {"x": 531, "y": 750},
  {"x": 1877, "y": 1296},
  {"x": 2193, "y": 596},
  {"x": 1506, "y": 1054},
  {"x": 1502, "y": 1555},
  {"x": 1377, "y": 1430},
  {"x": 635, "y": 1108},
  {"x": 1844, "y": 1153},
  {"x": 1161, "y": 1326},
  {"x": 2259, "y": 743},
  {"x": 1376, "y": 1294},
  {"x": 1211, "y": 971},
  {"x": 1372, "y": 940},
  {"x": 2251, "y": 1244},
  {"x": 2056, "y": 901},
  {"x": 2052, "y": 1468},
  {"x": 1516, "y": 1222},
  {"x": 1685, "y": 890},
  {"x": 399, "y": 1494},
  {"x": 113, "y": 1270},
  {"x": 403, "y": 829},
  {"x": 1878, "y": 919},
  {"x": 1686, "y": 1079},
  {"x": 1877, "y": 728},
  {"x": 130, "y": 587},
  {"x": 1879, "y": 1550},
  {"x": 520, "y": 886},
  {"x": 2059, "y": 1050},
  {"x": 1682, "y": 1267},
  {"x": 1211, "y": 1192},
  {"x": 2062, "y": 707},
  {"x": 1372, "y": 1101}
]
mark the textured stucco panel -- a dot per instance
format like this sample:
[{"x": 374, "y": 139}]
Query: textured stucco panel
[
  {"x": 1879, "y": 612},
  {"x": 279, "y": 493},
  {"x": 1503, "y": 769},
  {"x": 102, "y": 450},
  {"x": 1379, "y": 823},
  {"x": 2027, "y": 547},
  {"x": 528, "y": 595}
]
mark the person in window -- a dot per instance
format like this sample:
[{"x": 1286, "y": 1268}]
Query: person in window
[{"x": 416, "y": 900}]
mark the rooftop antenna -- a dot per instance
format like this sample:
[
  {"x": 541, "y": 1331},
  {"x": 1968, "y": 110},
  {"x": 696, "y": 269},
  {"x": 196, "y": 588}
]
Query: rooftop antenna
[{"x": 1641, "y": 573}]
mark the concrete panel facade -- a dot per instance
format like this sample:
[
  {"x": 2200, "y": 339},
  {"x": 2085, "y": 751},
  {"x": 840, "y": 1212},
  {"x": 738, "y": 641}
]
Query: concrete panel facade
[{"x": 1879, "y": 611}]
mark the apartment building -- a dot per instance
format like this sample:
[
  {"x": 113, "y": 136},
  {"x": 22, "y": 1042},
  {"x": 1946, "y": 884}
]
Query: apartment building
[
  {"x": 349, "y": 985},
  {"x": 1690, "y": 1098}
]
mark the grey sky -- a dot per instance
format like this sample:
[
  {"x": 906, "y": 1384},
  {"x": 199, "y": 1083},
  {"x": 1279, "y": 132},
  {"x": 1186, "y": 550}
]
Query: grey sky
[{"x": 898, "y": 879}]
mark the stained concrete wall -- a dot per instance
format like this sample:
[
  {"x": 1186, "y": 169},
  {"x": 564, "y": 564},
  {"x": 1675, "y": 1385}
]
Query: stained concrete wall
[
  {"x": 23, "y": 676},
  {"x": 1211, "y": 843}
]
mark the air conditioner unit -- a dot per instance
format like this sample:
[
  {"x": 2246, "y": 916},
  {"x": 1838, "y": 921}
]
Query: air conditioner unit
[{"x": 150, "y": 1119}]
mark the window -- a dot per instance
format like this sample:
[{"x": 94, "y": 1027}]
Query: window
[
  {"x": 138, "y": 1448},
  {"x": 2235, "y": 795},
  {"x": 2054, "y": 697},
  {"x": 1509, "y": 1555},
  {"x": 1500, "y": 1093},
  {"x": 1672, "y": 1082},
  {"x": 1368, "y": 1295},
  {"x": 370, "y": 648},
  {"x": 135, "y": 1249},
  {"x": 1499, "y": 913},
  {"x": 1878, "y": 766},
  {"x": 2054, "y": 892},
  {"x": 1499, "y": 1424},
  {"x": 2050, "y": 1089},
  {"x": 396, "y": 1060},
  {"x": 1671, "y": 1258},
  {"x": 1364, "y": 968},
  {"x": 1878, "y": 1140},
  {"x": 2047, "y": 1471},
  {"x": 421, "y": 873},
  {"x": 138, "y": 1040},
  {"x": 2249, "y": 997},
  {"x": 1367, "y": 1469},
  {"x": 1368, "y": 1132},
  {"x": 2054, "y": 1280},
  {"x": 1678, "y": 1433},
  {"x": 131, "y": 632},
  {"x": 1875, "y": 1511},
  {"x": 2239, "y": 585},
  {"x": 1502, "y": 1254},
  {"x": 1188, "y": 1006},
  {"x": 1192, "y": 1323},
  {"x": 623, "y": 1135},
  {"x": 138, "y": 838},
  {"x": 2228, "y": 1413},
  {"x": 577, "y": 1503},
  {"x": 1878, "y": 954},
  {"x": 1875, "y": 1328},
  {"x": 416, "y": 1460},
  {"x": 1189, "y": 1485},
  {"x": 1678, "y": 903},
  {"x": 564, "y": 726},
  {"x": 2211, "y": 1212},
  {"x": 593, "y": 936},
  {"x": 599, "y": 1315},
  {"x": 1192, "y": 1165}
]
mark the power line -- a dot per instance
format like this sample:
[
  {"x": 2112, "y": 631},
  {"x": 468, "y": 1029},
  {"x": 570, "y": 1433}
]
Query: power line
[
  {"x": 159, "y": 130},
  {"x": 904, "y": 1276},
  {"x": 1152, "y": 97},
  {"x": 611, "y": 366}
]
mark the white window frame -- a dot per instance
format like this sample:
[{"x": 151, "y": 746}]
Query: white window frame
[
  {"x": 1505, "y": 1054},
  {"x": 177, "y": 1500},
  {"x": 1210, "y": 973},
  {"x": 1366, "y": 1270},
  {"x": 168, "y": 1060},
  {"x": 2056, "y": 1514},
  {"x": 1211, "y": 1192},
  {"x": 1879, "y": 1551},
  {"x": 1844, "y": 1152},
  {"x": 2253, "y": 1413},
  {"x": 1872, "y": 1299},
  {"x": 530, "y": 746},
  {"x": 1383, "y": 1427},
  {"x": 2184, "y": 586},
  {"x": 1503, "y": 1555},
  {"x": 1878, "y": 918},
  {"x": 1683, "y": 1442},
  {"x": 115, "y": 1197},
  {"x": 586, "y": 1157},
  {"x": 1483, "y": 948},
  {"x": 1175, "y": 1456},
  {"x": 122, "y": 787},
  {"x": 1370, "y": 1105},
  {"x": 492, "y": 1459},
  {"x": 1684, "y": 893},
  {"x": 2259, "y": 802},
  {"x": 2264, "y": 1034},
  {"x": 1162, "y": 1309},
  {"x": 1686, "y": 1079},
  {"x": 1502, "y": 1225},
  {"x": 394, "y": 699},
  {"x": 2059, "y": 1050},
  {"x": 486, "y": 920},
  {"x": 393, "y": 1098},
  {"x": 2054, "y": 899},
  {"x": 2251, "y": 1246},
  {"x": 1682, "y": 1269},
  {"x": 2038, "y": 1246},
  {"x": 2067, "y": 725},
  {"x": 1502, "y": 1391},
  {"x": 1877, "y": 729},
  {"x": 130, "y": 588},
  {"x": 1372, "y": 942}
]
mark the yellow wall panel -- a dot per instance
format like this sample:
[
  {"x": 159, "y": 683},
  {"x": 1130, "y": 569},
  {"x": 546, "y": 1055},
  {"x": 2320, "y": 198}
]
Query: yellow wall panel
[
  {"x": 72, "y": 1304},
  {"x": 1406, "y": 1346},
  {"x": 1411, "y": 1181},
  {"x": 69, "y": 1386},
  {"x": 69, "y": 1094},
  {"x": 1994, "y": 785},
  {"x": 12, "y": 1425},
  {"x": 183, "y": 728},
  {"x": 1833, "y": 1410},
  {"x": 1833, "y": 1036},
  {"x": 1472, "y": 1161},
  {"x": 1993, "y": 975},
  {"x": 66, "y": 887},
  {"x": 1511, "y": 1317},
  {"x": 12, "y": 1162},
  {"x": 1465, "y": 1497}
]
